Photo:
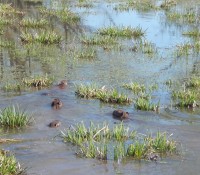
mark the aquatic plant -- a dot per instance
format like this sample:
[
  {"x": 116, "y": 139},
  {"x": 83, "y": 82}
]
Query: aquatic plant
[
  {"x": 44, "y": 37},
  {"x": 194, "y": 82},
  {"x": 167, "y": 4},
  {"x": 192, "y": 33},
  {"x": 13, "y": 117},
  {"x": 144, "y": 103},
  {"x": 197, "y": 46},
  {"x": 34, "y": 23},
  {"x": 160, "y": 143},
  {"x": 98, "y": 141},
  {"x": 12, "y": 87},
  {"x": 121, "y": 133},
  {"x": 119, "y": 151},
  {"x": 84, "y": 4},
  {"x": 135, "y": 87},
  {"x": 122, "y": 32},
  {"x": 183, "y": 49},
  {"x": 4, "y": 21},
  {"x": 86, "y": 54},
  {"x": 147, "y": 47},
  {"x": 48, "y": 37},
  {"x": 185, "y": 98},
  {"x": 98, "y": 40},
  {"x": 38, "y": 81},
  {"x": 137, "y": 150},
  {"x": 6, "y": 44},
  {"x": 7, "y": 9},
  {"x": 188, "y": 17},
  {"x": 112, "y": 96},
  {"x": 104, "y": 95},
  {"x": 9, "y": 164},
  {"x": 66, "y": 15},
  {"x": 86, "y": 91},
  {"x": 27, "y": 37},
  {"x": 144, "y": 5}
]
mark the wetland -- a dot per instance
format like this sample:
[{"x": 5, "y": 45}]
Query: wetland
[{"x": 90, "y": 58}]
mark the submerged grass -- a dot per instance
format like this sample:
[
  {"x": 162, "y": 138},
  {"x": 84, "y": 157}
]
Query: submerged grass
[
  {"x": 122, "y": 32},
  {"x": 9, "y": 164},
  {"x": 13, "y": 117},
  {"x": 102, "y": 142}
]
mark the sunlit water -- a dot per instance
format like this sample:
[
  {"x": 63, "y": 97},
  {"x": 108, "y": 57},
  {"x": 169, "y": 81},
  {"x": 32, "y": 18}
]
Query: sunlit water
[{"x": 44, "y": 153}]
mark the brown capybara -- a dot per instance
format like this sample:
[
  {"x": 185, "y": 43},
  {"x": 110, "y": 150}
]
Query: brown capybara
[
  {"x": 120, "y": 114},
  {"x": 62, "y": 84},
  {"x": 54, "y": 124},
  {"x": 56, "y": 103}
]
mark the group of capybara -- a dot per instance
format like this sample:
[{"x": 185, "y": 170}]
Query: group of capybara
[{"x": 57, "y": 104}]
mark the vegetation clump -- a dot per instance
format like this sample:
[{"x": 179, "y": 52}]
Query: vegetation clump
[
  {"x": 185, "y": 98},
  {"x": 122, "y": 32},
  {"x": 102, "y": 142},
  {"x": 135, "y": 87},
  {"x": 144, "y": 6},
  {"x": 13, "y": 117},
  {"x": 34, "y": 23},
  {"x": 65, "y": 15},
  {"x": 38, "y": 81},
  {"x": 104, "y": 95},
  {"x": 9, "y": 164},
  {"x": 184, "y": 49},
  {"x": 86, "y": 54},
  {"x": 12, "y": 87},
  {"x": 167, "y": 4},
  {"x": 193, "y": 33},
  {"x": 43, "y": 37},
  {"x": 187, "y": 17},
  {"x": 98, "y": 40},
  {"x": 144, "y": 103}
]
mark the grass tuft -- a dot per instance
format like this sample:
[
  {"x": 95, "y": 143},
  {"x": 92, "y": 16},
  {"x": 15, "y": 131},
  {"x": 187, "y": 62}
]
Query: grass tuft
[
  {"x": 185, "y": 98},
  {"x": 13, "y": 117},
  {"x": 43, "y": 37},
  {"x": 122, "y": 32},
  {"x": 38, "y": 81},
  {"x": 34, "y": 23},
  {"x": 104, "y": 95},
  {"x": 9, "y": 164},
  {"x": 135, "y": 87},
  {"x": 144, "y": 103},
  {"x": 102, "y": 142}
]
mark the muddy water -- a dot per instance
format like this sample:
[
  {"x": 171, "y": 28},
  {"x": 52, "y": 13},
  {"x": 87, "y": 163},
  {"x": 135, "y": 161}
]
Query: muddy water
[{"x": 44, "y": 153}]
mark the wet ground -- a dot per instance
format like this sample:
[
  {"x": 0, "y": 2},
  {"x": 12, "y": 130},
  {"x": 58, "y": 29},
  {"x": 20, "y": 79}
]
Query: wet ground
[{"x": 43, "y": 152}]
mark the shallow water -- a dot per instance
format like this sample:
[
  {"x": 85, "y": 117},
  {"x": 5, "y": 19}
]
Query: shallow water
[{"x": 43, "y": 152}]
